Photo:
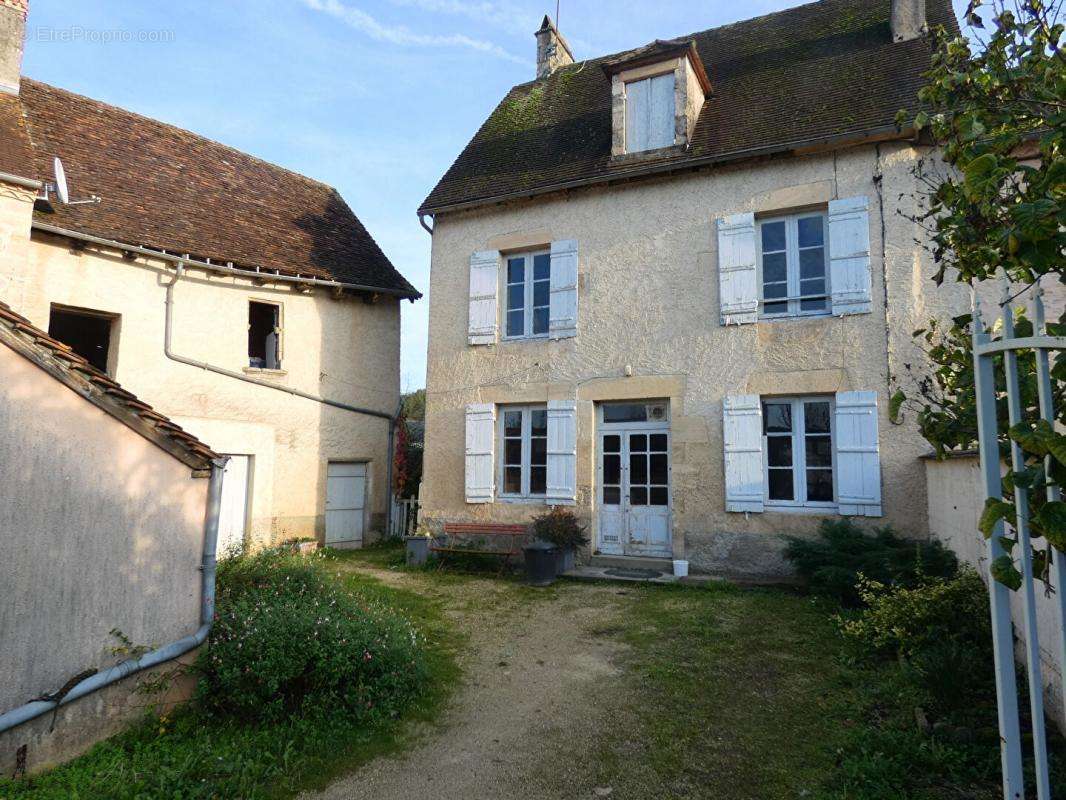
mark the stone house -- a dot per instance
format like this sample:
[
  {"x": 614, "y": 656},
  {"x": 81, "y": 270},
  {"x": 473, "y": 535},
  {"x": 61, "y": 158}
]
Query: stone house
[
  {"x": 672, "y": 288},
  {"x": 246, "y": 302}
]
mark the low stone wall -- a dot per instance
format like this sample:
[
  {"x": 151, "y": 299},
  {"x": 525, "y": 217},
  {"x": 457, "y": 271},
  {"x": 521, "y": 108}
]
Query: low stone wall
[{"x": 956, "y": 498}]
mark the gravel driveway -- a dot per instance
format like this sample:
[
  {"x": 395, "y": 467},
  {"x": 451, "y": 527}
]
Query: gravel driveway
[{"x": 538, "y": 689}]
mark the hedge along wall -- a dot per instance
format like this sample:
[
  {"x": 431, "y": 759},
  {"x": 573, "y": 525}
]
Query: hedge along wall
[{"x": 956, "y": 497}]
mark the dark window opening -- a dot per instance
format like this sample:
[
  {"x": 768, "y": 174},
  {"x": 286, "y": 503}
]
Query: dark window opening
[
  {"x": 87, "y": 332},
  {"x": 264, "y": 333}
]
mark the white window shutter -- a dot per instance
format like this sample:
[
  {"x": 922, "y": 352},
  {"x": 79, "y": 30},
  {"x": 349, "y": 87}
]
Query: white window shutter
[
  {"x": 858, "y": 460},
  {"x": 661, "y": 111},
  {"x": 480, "y": 426},
  {"x": 849, "y": 255},
  {"x": 638, "y": 115},
  {"x": 484, "y": 279},
  {"x": 562, "y": 314},
  {"x": 743, "y": 453},
  {"x": 562, "y": 453},
  {"x": 737, "y": 281}
]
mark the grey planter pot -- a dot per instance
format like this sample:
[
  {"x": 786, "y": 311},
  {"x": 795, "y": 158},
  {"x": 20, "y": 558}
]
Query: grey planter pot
[
  {"x": 565, "y": 559},
  {"x": 417, "y": 550}
]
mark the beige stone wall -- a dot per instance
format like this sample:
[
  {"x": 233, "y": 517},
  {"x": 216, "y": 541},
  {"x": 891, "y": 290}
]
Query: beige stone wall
[
  {"x": 956, "y": 498},
  {"x": 648, "y": 299},
  {"x": 342, "y": 349},
  {"x": 102, "y": 529}
]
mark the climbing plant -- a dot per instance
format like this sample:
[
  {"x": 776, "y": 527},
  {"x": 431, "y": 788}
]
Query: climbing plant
[{"x": 994, "y": 107}]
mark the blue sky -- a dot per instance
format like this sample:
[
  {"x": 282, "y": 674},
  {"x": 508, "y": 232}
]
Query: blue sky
[{"x": 375, "y": 97}]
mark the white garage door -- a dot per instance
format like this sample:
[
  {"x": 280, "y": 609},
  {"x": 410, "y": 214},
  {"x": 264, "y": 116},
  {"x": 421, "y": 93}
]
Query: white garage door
[
  {"x": 233, "y": 513},
  {"x": 345, "y": 502}
]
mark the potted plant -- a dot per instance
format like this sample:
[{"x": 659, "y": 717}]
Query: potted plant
[
  {"x": 561, "y": 528},
  {"x": 417, "y": 546}
]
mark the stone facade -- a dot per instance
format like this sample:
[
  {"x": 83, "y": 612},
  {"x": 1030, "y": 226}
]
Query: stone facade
[
  {"x": 340, "y": 348},
  {"x": 648, "y": 328}
]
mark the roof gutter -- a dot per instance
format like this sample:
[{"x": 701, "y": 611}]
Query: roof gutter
[
  {"x": 160, "y": 655},
  {"x": 803, "y": 147},
  {"x": 27, "y": 183},
  {"x": 224, "y": 269}
]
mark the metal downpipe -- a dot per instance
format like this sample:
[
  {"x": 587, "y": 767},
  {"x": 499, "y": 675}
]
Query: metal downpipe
[
  {"x": 167, "y": 337},
  {"x": 167, "y": 652}
]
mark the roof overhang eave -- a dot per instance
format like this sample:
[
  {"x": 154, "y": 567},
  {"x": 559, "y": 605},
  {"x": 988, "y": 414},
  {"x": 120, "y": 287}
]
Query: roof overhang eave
[
  {"x": 268, "y": 275},
  {"x": 803, "y": 147}
]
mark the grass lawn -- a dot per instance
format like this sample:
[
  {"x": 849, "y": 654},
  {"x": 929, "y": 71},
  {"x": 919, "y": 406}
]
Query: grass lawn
[
  {"x": 751, "y": 693},
  {"x": 719, "y": 691}
]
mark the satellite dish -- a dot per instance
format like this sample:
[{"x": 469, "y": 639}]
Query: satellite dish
[{"x": 61, "y": 182}]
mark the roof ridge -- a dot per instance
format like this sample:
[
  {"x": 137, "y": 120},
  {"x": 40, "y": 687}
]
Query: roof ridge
[
  {"x": 672, "y": 39},
  {"x": 179, "y": 129}
]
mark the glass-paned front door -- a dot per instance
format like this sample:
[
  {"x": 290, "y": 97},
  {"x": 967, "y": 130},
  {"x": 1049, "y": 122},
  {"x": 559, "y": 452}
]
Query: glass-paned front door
[{"x": 634, "y": 490}]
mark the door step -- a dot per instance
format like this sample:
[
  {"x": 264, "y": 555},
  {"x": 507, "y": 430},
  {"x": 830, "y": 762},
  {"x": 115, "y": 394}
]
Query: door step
[{"x": 663, "y": 565}]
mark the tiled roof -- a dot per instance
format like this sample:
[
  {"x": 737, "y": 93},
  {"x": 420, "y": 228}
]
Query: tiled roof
[
  {"x": 168, "y": 189},
  {"x": 63, "y": 364},
  {"x": 815, "y": 73}
]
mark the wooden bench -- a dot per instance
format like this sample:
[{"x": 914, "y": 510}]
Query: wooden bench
[{"x": 510, "y": 535}]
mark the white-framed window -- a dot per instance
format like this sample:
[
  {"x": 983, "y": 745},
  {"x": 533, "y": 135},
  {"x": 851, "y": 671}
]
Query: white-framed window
[
  {"x": 528, "y": 293},
  {"x": 650, "y": 112},
  {"x": 793, "y": 265},
  {"x": 523, "y": 438},
  {"x": 264, "y": 335},
  {"x": 798, "y": 452}
]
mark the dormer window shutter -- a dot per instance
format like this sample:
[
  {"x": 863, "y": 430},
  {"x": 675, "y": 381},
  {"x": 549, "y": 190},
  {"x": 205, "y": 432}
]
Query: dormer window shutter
[
  {"x": 562, "y": 314},
  {"x": 484, "y": 280},
  {"x": 849, "y": 255},
  {"x": 650, "y": 111},
  {"x": 737, "y": 278}
]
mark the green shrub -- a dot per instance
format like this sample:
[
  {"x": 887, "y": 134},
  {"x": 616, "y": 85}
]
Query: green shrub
[
  {"x": 908, "y": 620},
  {"x": 832, "y": 564},
  {"x": 289, "y": 638},
  {"x": 560, "y": 527}
]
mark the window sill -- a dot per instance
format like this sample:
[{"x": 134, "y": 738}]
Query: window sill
[
  {"x": 829, "y": 508},
  {"x": 270, "y": 373},
  {"x": 528, "y": 501},
  {"x": 640, "y": 156},
  {"x": 537, "y": 338},
  {"x": 786, "y": 317}
]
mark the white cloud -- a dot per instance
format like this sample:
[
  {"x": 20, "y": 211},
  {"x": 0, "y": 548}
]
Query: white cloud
[
  {"x": 401, "y": 35},
  {"x": 501, "y": 15}
]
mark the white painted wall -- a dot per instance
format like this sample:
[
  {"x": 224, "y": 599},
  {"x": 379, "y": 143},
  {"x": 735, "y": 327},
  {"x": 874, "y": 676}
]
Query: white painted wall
[{"x": 101, "y": 529}]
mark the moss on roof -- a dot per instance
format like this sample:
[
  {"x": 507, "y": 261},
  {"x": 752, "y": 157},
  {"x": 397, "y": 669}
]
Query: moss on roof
[{"x": 819, "y": 70}]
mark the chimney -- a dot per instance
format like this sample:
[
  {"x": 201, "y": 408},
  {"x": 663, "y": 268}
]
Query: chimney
[
  {"x": 12, "y": 39},
  {"x": 908, "y": 20},
  {"x": 552, "y": 50}
]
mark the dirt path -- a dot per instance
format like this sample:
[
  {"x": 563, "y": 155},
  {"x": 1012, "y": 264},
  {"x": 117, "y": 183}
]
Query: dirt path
[{"x": 537, "y": 688}]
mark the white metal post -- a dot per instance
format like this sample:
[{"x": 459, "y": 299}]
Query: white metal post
[
  {"x": 999, "y": 595},
  {"x": 1047, "y": 412},
  {"x": 1021, "y": 505}
]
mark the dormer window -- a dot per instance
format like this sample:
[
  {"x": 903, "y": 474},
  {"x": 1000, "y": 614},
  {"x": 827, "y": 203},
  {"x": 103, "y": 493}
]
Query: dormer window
[
  {"x": 657, "y": 94},
  {"x": 650, "y": 112}
]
